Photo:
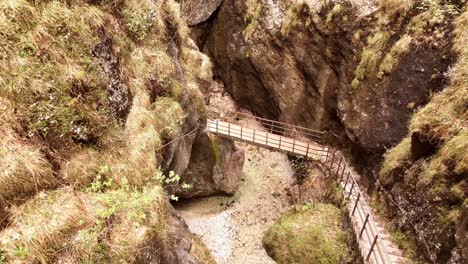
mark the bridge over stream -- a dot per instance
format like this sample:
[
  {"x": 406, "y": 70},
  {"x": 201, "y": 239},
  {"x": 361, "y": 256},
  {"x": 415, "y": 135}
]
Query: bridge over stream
[{"x": 374, "y": 241}]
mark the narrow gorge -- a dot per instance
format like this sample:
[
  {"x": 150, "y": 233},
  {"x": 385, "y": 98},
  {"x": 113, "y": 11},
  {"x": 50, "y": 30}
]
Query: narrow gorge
[{"x": 108, "y": 153}]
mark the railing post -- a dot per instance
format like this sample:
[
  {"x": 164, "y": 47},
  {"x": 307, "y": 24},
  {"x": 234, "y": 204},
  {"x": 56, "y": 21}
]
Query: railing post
[
  {"x": 241, "y": 133},
  {"x": 326, "y": 157},
  {"x": 307, "y": 151},
  {"x": 357, "y": 201},
  {"x": 217, "y": 125},
  {"x": 321, "y": 153},
  {"x": 266, "y": 139},
  {"x": 280, "y": 143},
  {"x": 294, "y": 144},
  {"x": 332, "y": 159},
  {"x": 346, "y": 183},
  {"x": 339, "y": 164},
  {"x": 363, "y": 226},
  {"x": 351, "y": 190},
  {"x": 372, "y": 247},
  {"x": 342, "y": 173},
  {"x": 254, "y": 136}
]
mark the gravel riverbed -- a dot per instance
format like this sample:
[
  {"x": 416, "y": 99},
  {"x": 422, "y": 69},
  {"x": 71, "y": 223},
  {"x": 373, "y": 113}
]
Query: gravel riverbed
[{"x": 232, "y": 227}]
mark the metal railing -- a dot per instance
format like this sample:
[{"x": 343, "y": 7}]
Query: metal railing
[
  {"x": 268, "y": 139},
  {"x": 281, "y": 136},
  {"x": 337, "y": 166},
  {"x": 275, "y": 127}
]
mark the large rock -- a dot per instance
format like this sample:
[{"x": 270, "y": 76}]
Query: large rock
[
  {"x": 198, "y": 11},
  {"x": 215, "y": 167},
  {"x": 285, "y": 79},
  {"x": 182, "y": 246},
  {"x": 311, "y": 234}
]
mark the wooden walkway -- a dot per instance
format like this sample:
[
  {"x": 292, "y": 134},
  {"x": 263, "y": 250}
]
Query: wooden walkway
[
  {"x": 374, "y": 241},
  {"x": 266, "y": 139}
]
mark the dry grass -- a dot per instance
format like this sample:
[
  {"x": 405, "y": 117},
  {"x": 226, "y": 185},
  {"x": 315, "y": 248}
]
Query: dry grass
[
  {"x": 170, "y": 117},
  {"x": 82, "y": 168},
  {"x": 139, "y": 221},
  {"x": 396, "y": 7},
  {"x": 23, "y": 168},
  {"x": 43, "y": 225},
  {"x": 110, "y": 227}
]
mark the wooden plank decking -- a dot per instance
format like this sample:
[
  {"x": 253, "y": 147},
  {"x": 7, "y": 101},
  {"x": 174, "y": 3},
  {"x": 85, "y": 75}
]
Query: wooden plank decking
[{"x": 266, "y": 139}]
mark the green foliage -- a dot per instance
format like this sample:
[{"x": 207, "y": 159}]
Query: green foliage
[
  {"x": 403, "y": 242},
  {"x": 99, "y": 183},
  {"x": 371, "y": 56},
  {"x": 21, "y": 251},
  {"x": 293, "y": 16},
  {"x": 2, "y": 258},
  {"x": 307, "y": 206},
  {"x": 336, "y": 10},
  {"x": 251, "y": 17},
  {"x": 310, "y": 235},
  {"x": 139, "y": 22},
  {"x": 391, "y": 59},
  {"x": 215, "y": 148},
  {"x": 396, "y": 157}
]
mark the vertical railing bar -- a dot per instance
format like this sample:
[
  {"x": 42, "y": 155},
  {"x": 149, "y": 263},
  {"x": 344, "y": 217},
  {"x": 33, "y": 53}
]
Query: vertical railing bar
[
  {"x": 229, "y": 129},
  {"x": 241, "y": 132},
  {"x": 333, "y": 158},
  {"x": 355, "y": 205},
  {"x": 294, "y": 144},
  {"x": 364, "y": 226},
  {"x": 307, "y": 151},
  {"x": 342, "y": 171},
  {"x": 217, "y": 126},
  {"x": 266, "y": 139},
  {"x": 372, "y": 247},
  {"x": 254, "y": 135},
  {"x": 351, "y": 190},
  {"x": 326, "y": 157},
  {"x": 339, "y": 164},
  {"x": 346, "y": 183}
]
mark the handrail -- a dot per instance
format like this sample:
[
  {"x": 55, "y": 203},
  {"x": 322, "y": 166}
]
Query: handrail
[
  {"x": 335, "y": 163},
  {"x": 276, "y": 127}
]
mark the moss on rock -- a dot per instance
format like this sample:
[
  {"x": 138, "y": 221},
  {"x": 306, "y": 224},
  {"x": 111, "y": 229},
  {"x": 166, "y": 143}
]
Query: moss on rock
[{"x": 312, "y": 234}]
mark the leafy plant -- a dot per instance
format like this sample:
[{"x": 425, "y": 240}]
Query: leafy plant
[
  {"x": 99, "y": 184},
  {"x": 21, "y": 251},
  {"x": 139, "y": 22},
  {"x": 2, "y": 258}
]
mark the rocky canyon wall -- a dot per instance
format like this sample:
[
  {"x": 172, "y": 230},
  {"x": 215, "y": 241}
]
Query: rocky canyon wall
[{"x": 358, "y": 69}]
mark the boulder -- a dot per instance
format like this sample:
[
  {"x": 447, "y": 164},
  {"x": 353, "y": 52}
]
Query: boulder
[
  {"x": 311, "y": 234},
  {"x": 215, "y": 167}
]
